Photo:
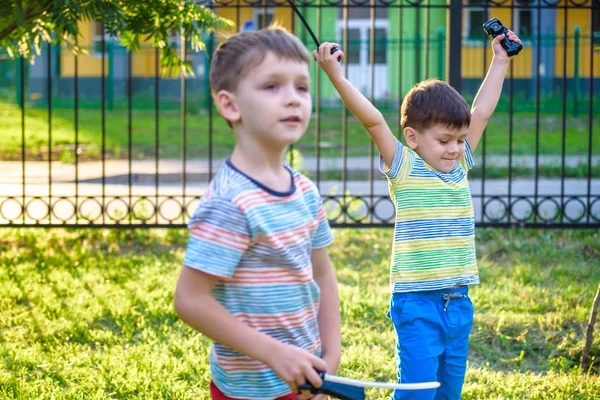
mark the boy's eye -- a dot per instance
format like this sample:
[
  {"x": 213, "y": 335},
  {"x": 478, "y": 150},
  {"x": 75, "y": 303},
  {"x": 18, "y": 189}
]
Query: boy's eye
[
  {"x": 271, "y": 86},
  {"x": 303, "y": 88},
  {"x": 461, "y": 141},
  {"x": 443, "y": 141}
]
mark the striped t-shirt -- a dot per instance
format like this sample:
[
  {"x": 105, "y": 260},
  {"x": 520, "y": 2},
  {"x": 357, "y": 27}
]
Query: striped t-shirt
[
  {"x": 259, "y": 242},
  {"x": 434, "y": 234}
]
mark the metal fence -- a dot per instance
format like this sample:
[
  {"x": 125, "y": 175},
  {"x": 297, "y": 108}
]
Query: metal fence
[{"x": 103, "y": 140}]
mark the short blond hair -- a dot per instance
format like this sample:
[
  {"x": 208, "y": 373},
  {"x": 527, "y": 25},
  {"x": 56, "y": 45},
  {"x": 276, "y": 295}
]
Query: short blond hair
[{"x": 245, "y": 50}]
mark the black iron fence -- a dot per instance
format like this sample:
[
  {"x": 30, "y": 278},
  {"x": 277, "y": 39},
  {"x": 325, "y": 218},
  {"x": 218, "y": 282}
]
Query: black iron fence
[{"x": 103, "y": 140}]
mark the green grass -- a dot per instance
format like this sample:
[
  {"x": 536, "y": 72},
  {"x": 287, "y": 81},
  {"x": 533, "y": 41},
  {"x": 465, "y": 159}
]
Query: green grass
[
  {"x": 331, "y": 136},
  {"x": 87, "y": 314}
]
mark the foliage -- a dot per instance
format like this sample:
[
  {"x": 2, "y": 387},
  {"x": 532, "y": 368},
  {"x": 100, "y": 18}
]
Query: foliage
[{"x": 26, "y": 24}]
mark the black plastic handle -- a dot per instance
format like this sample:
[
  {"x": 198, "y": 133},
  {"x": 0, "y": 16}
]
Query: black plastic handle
[
  {"x": 494, "y": 27},
  {"x": 336, "y": 390},
  {"x": 333, "y": 50}
]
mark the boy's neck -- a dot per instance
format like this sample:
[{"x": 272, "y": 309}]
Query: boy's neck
[{"x": 262, "y": 164}]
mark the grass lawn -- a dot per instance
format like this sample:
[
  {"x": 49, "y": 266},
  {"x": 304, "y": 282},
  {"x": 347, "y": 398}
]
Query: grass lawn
[
  {"x": 143, "y": 138},
  {"x": 87, "y": 314}
]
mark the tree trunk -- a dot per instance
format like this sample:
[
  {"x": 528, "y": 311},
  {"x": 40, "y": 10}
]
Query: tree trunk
[{"x": 589, "y": 334}]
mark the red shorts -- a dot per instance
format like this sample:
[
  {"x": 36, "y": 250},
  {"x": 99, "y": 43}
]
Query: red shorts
[{"x": 216, "y": 394}]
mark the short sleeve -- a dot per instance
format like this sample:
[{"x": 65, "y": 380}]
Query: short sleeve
[
  {"x": 467, "y": 160},
  {"x": 219, "y": 236},
  {"x": 394, "y": 169},
  {"x": 323, "y": 236}
]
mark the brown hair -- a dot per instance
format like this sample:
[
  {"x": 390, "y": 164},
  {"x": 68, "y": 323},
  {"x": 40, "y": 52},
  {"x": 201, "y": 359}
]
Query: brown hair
[
  {"x": 434, "y": 102},
  {"x": 245, "y": 50}
]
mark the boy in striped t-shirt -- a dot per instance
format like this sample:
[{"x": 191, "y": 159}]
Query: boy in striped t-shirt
[
  {"x": 433, "y": 257},
  {"x": 257, "y": 278}
]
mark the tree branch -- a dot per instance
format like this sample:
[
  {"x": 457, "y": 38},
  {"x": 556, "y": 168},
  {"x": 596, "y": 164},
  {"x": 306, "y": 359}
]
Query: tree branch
[{"x": 28, "y": 16}]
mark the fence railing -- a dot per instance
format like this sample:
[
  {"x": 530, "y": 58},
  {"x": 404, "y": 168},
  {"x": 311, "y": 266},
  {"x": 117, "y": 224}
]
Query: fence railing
[{"x": 104, "y": 140}]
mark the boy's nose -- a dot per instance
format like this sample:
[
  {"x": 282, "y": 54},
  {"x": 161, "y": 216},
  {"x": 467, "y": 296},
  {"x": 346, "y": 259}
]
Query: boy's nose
[{"x": 292, "y": 98}]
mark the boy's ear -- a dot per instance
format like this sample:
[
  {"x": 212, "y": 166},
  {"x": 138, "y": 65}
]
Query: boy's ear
[
  {"x": 411, "y": 138},
  {"x": 225, "y": 102}
]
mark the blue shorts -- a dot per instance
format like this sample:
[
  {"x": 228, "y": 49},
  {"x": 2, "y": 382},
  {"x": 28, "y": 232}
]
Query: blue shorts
[{"x": 432, "y": 340}]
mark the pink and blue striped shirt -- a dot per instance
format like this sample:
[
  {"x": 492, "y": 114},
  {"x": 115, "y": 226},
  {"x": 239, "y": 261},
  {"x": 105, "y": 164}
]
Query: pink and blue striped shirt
[{"x": 259, "y": 242}]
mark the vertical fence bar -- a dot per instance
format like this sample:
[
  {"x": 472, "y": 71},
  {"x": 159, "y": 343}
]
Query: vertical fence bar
[
  {"x": 440, "y": 55},
  {"x": 183, "y": 43},
  {"x": 290, "y": 153},
  {"x": 418, "y": 42},
  {"x": 510, "y": 126},
  {"x": 103, "y": 122},
  {"x": 21, "y": 96},
  {"x": 111, "y": 76},
  {"x": 318, "y": 104},
  {"x": 427, "y": 45},
  {"x": 537, "y": 115},
  {"x": 49, "y": 90},
  {"x": 564, "y": 118},
  {"x": 576, "y": 73},
  {"x": 156, "y": 129},
  {"x": 590, "y": 122},
  {"x": 76, "y": 89},
  {"x": 345, "y": 17},
  {"x": 129, "y": 132},
  {"x": 400, "y": 60},
  {"x": 371, "y": 207},
  {"x": 484, "y": 39},
  {"x": 454, "y": 44},
  {"x": 210, "y": 110},
  {"x": 511, "y": 102}
]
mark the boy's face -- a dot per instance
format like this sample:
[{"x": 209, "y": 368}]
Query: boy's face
[
  {"x": 441, "y": 147},
  {"x": 273, "y": 102}
]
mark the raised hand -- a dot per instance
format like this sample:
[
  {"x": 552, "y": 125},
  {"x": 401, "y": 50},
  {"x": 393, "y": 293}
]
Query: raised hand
[{"x": 329, "y": 62}]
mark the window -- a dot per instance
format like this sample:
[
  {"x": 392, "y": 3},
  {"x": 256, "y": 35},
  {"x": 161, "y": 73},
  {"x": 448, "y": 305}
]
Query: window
[
  {"x": 475, "y": 16},
  {"x": 263, "y": 17},
  {"x": 97, "y": 39},
  {"x": 173, "y": 39},
  {"x": 380, "y": 46},
  {"x": 524, "y": 22},
  {"x": 354, "y": 46}
]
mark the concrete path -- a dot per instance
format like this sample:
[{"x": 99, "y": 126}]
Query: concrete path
[{"x": 118, "y": 192}]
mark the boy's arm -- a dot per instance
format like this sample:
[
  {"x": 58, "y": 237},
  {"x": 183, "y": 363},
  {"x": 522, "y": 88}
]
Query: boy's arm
[
  {"x": 329, "y": 309},
  {"x": 489, "y": 93},
  {"x": 369, "y": 116},
  {"x": 196, "y": 306}
]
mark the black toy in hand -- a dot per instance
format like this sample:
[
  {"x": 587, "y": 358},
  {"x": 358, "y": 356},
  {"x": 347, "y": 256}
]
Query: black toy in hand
[{"x": 494, "y": 28}]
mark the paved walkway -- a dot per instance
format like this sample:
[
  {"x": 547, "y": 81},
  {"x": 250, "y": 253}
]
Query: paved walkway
[
  {"x": 143, "y": 171},
  {"x": 171, "y": 188}
]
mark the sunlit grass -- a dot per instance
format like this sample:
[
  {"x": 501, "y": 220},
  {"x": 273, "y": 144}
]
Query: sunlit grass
[{"x": 87, "y": 314}]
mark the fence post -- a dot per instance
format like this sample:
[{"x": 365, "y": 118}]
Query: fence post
[
  {"x": 576, "y": 73},
  {"x": 441, "y": 53},
  {"x": 22, "y": 80},
  {"x": 207, "y": 58},
  {"x": 454, "y": 45},
  {"x": 18, "y": 81},
  {"x": 110, "y": 79}
]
